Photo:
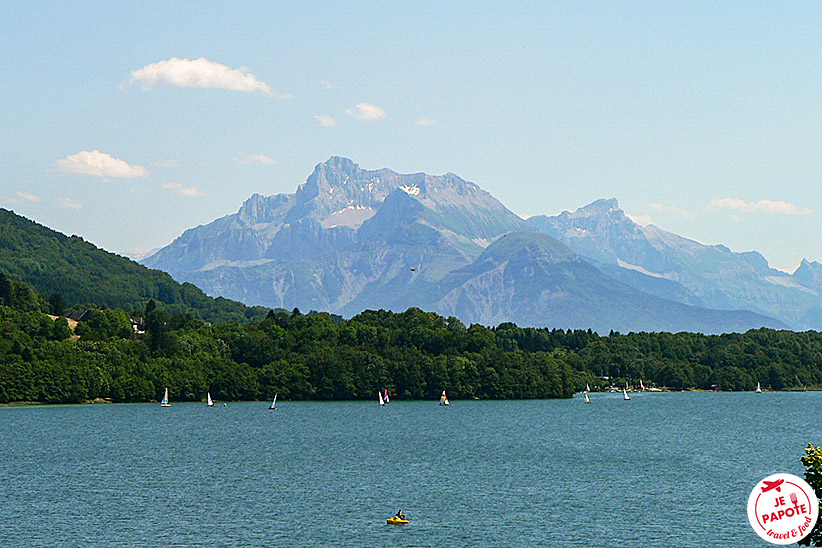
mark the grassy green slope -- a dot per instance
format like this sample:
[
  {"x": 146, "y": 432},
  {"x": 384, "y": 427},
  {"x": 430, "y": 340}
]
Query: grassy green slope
[{"x": 54, "y": 263}]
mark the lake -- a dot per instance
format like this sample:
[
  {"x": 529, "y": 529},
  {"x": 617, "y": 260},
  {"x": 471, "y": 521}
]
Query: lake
[{"x": 663, "y": 470}]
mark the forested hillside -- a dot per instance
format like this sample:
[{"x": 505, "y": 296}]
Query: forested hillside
[
  {"x": 75, "y": 273},
  {"x": 413, "y": 354}
]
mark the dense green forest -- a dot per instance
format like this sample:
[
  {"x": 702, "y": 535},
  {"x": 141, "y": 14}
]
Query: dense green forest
[
  {"x": 412, "y": 354},
  {"x": 813, "y": 475},
  {"x": 77, "y": 273}
]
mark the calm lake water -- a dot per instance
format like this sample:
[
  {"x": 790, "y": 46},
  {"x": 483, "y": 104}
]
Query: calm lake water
[{"x": 663, "y": 470}]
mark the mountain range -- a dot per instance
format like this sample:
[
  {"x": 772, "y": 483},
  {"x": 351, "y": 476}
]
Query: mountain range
[
  {"x": 350, "y": 239},
  {"x": 670, "y": 266}
]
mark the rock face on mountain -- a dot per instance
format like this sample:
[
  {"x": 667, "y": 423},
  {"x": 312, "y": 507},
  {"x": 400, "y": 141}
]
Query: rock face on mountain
[
  {"x": 326, "y": 213},
  {"x": 350, "y": 239},
  {"x": 532, "y": 279},
  {"x": 664, "y": 264},
  {"x": 809, "y": 274},
  {"x": 347, "y": 239}
]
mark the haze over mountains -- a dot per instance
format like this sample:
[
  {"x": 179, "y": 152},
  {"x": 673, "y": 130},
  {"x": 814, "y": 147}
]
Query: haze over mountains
[
  {"x": 664, "y": 264},
  {"x": 350, "y": 239}
]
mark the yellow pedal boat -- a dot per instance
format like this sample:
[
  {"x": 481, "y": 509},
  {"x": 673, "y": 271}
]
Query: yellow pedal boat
[{"x": 396, "y": 521}]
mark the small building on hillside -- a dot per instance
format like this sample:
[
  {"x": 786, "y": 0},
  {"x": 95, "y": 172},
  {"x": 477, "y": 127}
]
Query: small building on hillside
[
  {"x": 138, "y": 324},
  {"x": 79, "y": 315}
]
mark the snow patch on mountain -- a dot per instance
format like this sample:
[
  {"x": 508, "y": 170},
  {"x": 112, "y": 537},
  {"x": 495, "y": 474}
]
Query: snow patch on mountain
[
  {"x": 787, "y": 282},
  {"x": 352, "y": 216},
  {"x": 638, "y": 268},
  {"x": 412, "y": 190}
]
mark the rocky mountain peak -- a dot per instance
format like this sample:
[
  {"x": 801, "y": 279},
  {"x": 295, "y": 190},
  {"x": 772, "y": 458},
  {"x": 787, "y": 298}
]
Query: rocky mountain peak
[
  {"x": 261, "y": 209},
  {"x": 251, "y": 208},
  {"x": 339, "y": 193},
  {"x": 334, "y": 173},
  {"x": 600, "y": 212},
  {"x": 809, "y": 274},
  {"x": 600, "y": 207}
]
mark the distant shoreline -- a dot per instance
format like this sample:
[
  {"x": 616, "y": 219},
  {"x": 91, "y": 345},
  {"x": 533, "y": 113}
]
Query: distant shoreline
[{"x": 107, "y": 401}]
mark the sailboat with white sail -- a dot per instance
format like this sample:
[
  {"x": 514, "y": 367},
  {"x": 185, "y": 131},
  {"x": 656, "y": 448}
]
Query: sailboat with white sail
[
  {"x": 164, "y": 401},
  {"x": 274, "y": 403},
  {"x": 210, "y": 401},
  {"x": 625, "y": 394},
  {"x": 379, "y": 396},
  {"x": 587, "y": 399},
  {"x": 758, "y": 389}
]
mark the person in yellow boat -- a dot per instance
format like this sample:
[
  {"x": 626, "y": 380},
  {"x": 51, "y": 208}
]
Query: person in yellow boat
[{"x": 400, "y": 514}]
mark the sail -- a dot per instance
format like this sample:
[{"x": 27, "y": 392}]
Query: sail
[
  {"x": 758, "y": 389},
  {"x": 210, "y": 401},
  {"x": 625, "y": 392},
  {"x": 641, "y": 386},
  {"x": 386, "y": 396},
  {"x": 379, "y": 395},
  {"x": 164, "y": 402},
  {"x": 587, "y": 388},
  {"x": 443, "y": 399},
  {"x": 587, "y": 399},
  {"x": 274, "y": 403}
]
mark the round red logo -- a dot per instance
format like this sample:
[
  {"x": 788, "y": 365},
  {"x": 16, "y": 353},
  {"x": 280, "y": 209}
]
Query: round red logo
[{"x": 783, "y": 509}]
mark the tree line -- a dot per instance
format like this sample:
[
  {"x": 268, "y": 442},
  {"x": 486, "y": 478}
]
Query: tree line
[{"x": 413, "y": 354}]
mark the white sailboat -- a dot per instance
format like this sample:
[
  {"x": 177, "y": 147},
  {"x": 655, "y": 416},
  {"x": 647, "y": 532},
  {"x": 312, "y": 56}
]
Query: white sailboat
[
  {"x": 164, "y": 401},
  {"x": 210, "y": 401},
  {"x": 641, "y": 386},
  {"x": 758, "y": 389},
  {"x": 587, "y": 388},
  {"x": 587, "y": 399},
  {"x": 625, "y": 393},
  {"x": 274, "y": 403},
  {"x": 379, "y": 395},
  {"x": 443, "y": 399}
]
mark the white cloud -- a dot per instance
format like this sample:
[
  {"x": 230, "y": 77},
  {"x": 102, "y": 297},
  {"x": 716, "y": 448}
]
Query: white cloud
[
  {"x": 68, "y": 203},
  {"x": 642, "y": 220},
  {"x": 328, "y": 85},
  {"x": 364, "y": 111},
  {"x": 424, "y": 122},
  {"x": 324, "y": 120},
  {"x": 768, "y": 206},
  {"x": 200, "y": 73},
  {"x": 190, "y": 191},
  {"x": 672, "y": 210},
  {"x": 27, "y": 196},
  {"x": 20, "y": 197},
  {"x": 100, "y": 164},
  {"x": 256, "y": 158}
]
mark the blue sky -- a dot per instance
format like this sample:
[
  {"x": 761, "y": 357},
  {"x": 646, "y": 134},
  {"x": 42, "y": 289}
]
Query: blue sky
[{"x": 128, "y": 123}]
